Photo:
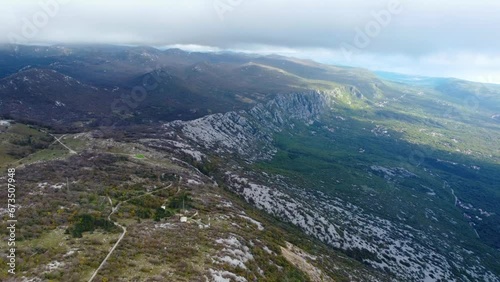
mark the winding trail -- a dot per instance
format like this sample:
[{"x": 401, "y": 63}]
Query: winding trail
[
  {"x": 113, "y": 210},
  {"x": 71, "y": 151},
  {"x": 445, "y": 185},
  {"x": 117, "y": 242},
  {"x": 457, "y": 205},
  {"x": 58, "y": 140}
]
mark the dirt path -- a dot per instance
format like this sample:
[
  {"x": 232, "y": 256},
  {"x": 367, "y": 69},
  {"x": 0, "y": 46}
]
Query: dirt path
[
  {"x": 116, "y": 244},
  {"x": 71, "y": 151},
  {"x": 113, "y": 210},
  {"x": 58, "y": 140}
]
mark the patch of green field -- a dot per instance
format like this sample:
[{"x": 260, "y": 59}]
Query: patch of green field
[{"x": 25, "y": 144}]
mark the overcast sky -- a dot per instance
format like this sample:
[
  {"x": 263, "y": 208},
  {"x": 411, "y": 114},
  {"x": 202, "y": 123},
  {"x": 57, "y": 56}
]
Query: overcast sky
[{"x": 455, "y": 38}]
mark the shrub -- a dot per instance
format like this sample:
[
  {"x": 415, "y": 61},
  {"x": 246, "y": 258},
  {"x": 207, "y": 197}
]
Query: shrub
[
  {"x": 87, "y": 222},
  {"x": 161, "y": 213},
  {"x": 181, "y": 201}
]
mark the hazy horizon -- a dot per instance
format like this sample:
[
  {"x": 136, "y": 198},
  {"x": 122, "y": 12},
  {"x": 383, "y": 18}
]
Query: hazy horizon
[{"x": 426, "y": 38}]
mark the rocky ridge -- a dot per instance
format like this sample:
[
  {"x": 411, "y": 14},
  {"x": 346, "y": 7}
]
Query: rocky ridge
[{"x": 402, "y": 250}]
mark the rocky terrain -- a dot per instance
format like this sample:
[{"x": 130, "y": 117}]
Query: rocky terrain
[
  {"x": 138, "y": 164},
  {"x": 388, "y": 246}
]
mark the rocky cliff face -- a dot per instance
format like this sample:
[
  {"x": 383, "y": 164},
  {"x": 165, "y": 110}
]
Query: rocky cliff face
[
  {"x": 249, "y": 133},
  {"x": 247, "y": 136}
]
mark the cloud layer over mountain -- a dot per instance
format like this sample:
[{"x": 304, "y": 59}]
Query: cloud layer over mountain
[{"x": 440, "y": 38}]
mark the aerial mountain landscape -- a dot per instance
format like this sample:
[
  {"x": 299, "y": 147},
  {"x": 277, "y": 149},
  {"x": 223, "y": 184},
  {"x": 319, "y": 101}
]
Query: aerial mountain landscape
[
  {"x": 285, "y": 169},
  {"x": 250, "y": 141}
]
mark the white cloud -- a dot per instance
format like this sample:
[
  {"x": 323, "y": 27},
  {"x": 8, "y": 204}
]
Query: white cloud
[{"x": 430, "y": 37}]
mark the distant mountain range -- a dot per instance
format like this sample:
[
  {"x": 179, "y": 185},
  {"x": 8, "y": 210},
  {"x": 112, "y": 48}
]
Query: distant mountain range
[{"x": 290, "y": 168}]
